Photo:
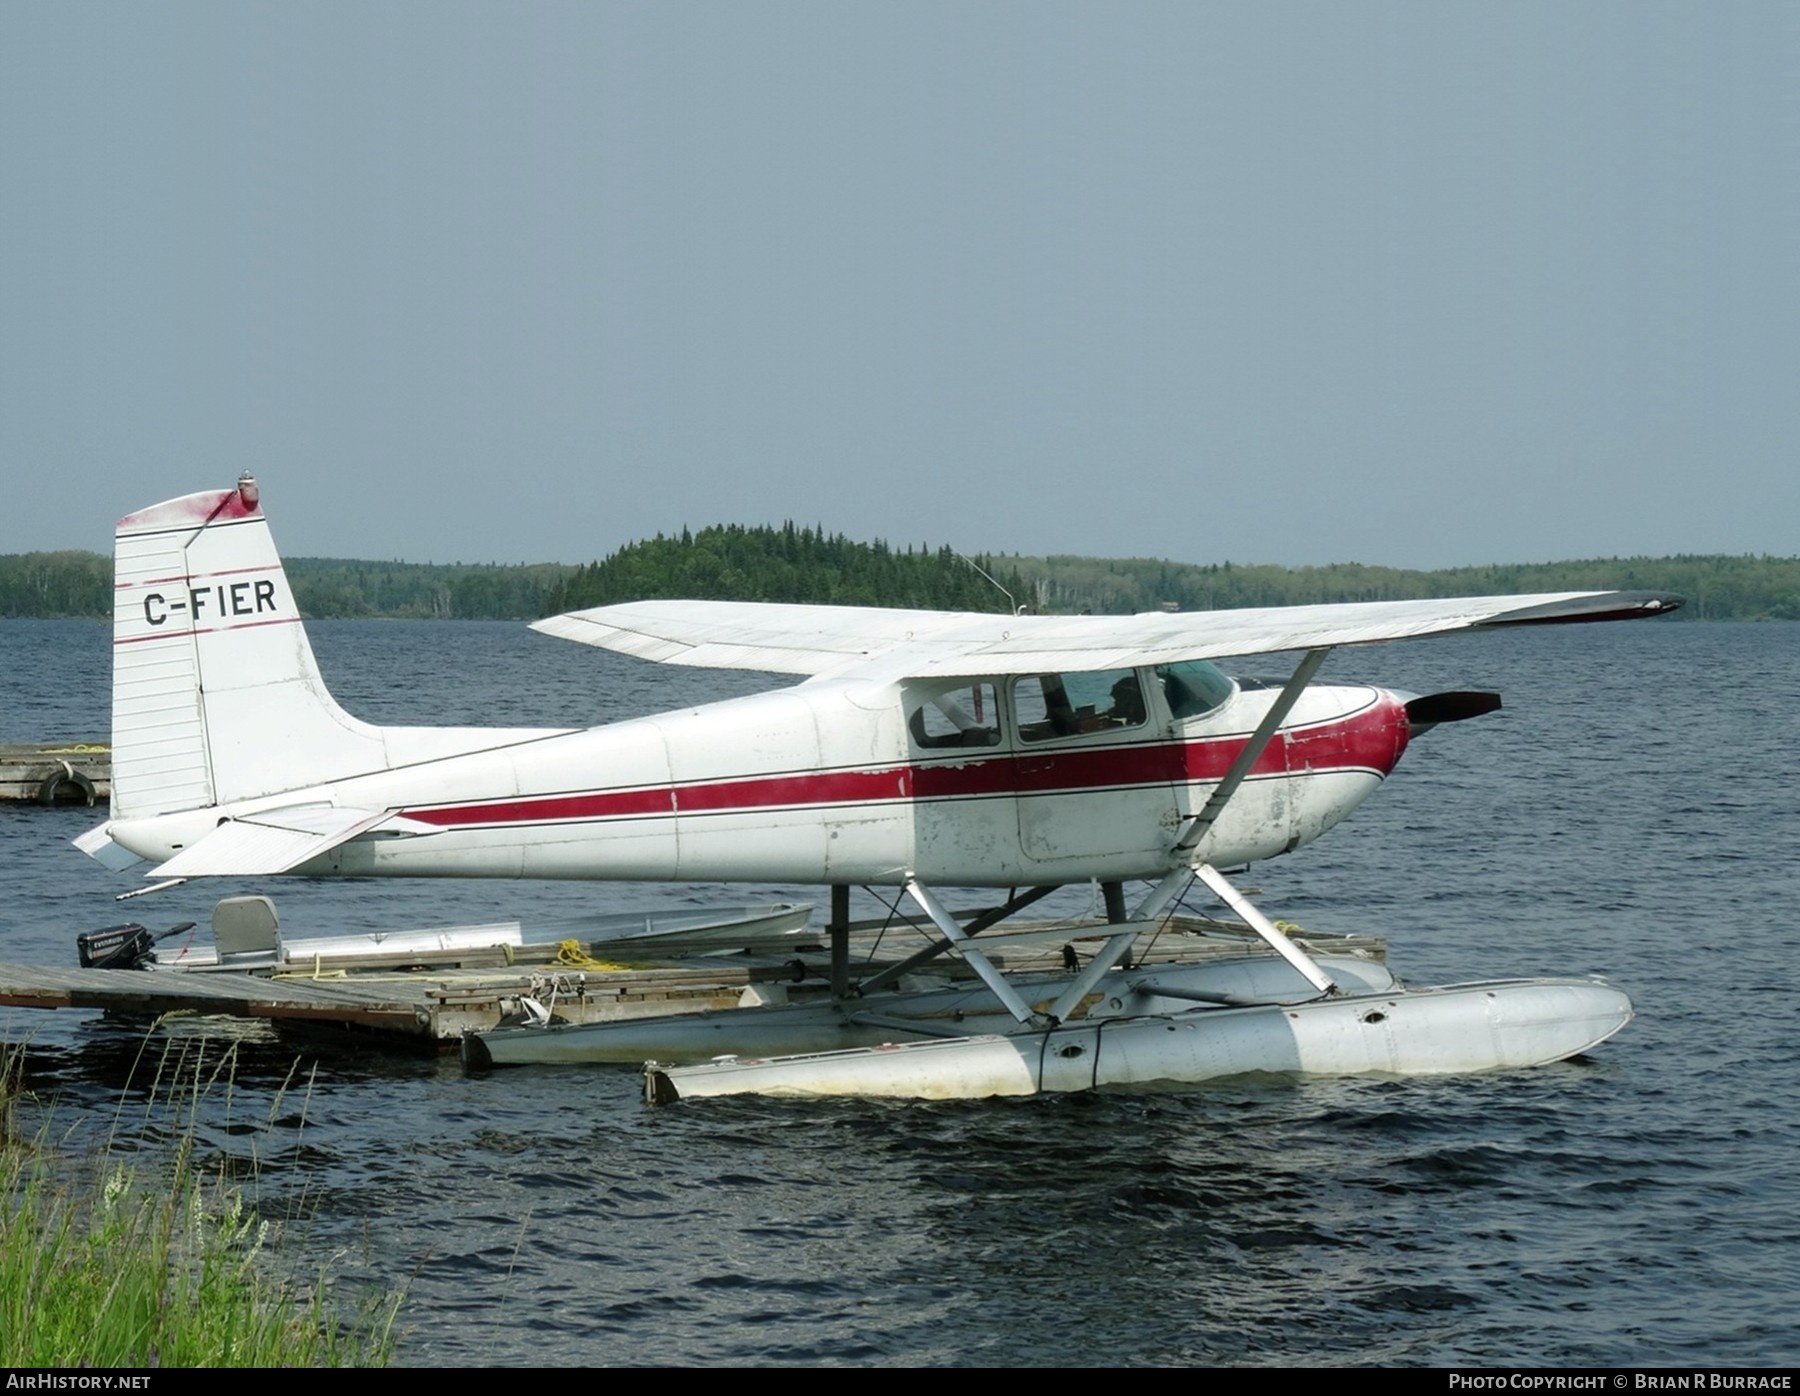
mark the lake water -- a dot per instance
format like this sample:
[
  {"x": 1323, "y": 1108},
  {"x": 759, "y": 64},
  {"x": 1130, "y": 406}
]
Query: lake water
[{"x": 1632, "y": 812}]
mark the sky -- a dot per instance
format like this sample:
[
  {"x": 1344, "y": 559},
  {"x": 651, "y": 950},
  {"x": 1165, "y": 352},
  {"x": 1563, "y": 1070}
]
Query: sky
[{"x": 1417, "y": 284}]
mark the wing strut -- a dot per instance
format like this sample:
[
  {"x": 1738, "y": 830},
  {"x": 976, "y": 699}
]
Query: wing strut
[
  {"x": 1170, "y": 887},
  {"x": 1259, "y": 740}
]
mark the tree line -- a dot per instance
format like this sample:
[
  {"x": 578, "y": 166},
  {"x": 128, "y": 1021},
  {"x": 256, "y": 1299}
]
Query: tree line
[
  {"x": 81, "y": 584},
  {"x": 1716, "y": 586},
  {"x": 801, "y": 564},
  {"x": 733, "y": 562}
]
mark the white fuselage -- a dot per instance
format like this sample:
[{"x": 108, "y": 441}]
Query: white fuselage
[{"x": 830, "y": 782}]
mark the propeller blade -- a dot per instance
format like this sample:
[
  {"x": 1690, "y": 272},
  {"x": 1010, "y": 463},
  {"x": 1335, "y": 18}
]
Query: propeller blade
[{"x": 1449, "y": 707}]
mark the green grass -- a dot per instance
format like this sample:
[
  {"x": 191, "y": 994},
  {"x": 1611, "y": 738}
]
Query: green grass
[{"x": 113, "y": 1266}]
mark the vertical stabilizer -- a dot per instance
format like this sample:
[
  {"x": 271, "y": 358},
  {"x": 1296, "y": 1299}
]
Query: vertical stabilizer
[{"x": 216, "y": 695}]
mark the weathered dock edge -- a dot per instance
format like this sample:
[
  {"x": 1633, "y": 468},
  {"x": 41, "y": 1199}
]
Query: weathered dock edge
[{"x": 56, "y": 773}]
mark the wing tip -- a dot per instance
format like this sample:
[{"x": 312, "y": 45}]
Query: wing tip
[{"x": 1594, "y": 606}]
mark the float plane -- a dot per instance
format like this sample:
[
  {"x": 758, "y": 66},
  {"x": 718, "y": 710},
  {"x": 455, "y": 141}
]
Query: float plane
[{"x": 921, "y": 750}]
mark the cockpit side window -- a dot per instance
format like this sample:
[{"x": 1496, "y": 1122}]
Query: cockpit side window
[
  {"x": 965, "y": 713},
  {"x": 1049, "y": 706},
  {"x": 1193, "y": 688}
]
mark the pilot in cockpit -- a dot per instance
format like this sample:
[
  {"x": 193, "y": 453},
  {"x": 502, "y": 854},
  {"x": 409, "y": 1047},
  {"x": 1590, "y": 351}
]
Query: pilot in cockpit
[{"x": 1127, "y": 702}]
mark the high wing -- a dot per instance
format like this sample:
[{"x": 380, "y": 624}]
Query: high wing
[{"x": 894, "y": 644}]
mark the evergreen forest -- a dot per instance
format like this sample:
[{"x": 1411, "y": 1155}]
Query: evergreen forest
[{"x": 800, "y": 564}]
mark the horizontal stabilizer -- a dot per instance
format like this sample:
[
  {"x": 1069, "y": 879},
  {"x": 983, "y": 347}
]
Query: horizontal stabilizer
[
  {"x": 279, "y": 841},
  {"x": 98, "y": 844},
  {"x": 892, "y": 644}
]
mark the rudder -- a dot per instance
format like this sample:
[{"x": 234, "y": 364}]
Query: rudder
[{"x": 216, "y": 694}]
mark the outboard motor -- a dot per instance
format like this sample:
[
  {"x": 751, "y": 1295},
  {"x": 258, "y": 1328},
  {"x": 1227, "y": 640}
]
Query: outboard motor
[{"x": 121, "y": 947}]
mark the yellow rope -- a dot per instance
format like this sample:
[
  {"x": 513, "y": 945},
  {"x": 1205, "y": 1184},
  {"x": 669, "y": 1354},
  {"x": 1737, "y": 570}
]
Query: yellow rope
[{"x": 570, "y": 954}]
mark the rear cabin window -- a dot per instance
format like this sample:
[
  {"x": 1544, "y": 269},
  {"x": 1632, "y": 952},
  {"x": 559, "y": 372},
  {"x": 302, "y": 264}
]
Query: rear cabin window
[
  {"x": 964, "y": 714},
  {"x": 1050, "y": 706},
  {"x": 1193, "y": 688}
]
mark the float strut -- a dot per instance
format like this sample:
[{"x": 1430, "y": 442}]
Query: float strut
[
  {"x": 1109, "y": 954},
  {"x": 993, "y": 916},
  {"x": 977, "y": 961},
  {"x": 1265, "y": 928},
  {"x": 1164, "y": 895},
  {"x": 838, "y": 929}
]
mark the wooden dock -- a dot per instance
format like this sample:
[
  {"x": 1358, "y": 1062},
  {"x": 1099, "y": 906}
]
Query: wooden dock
[
  {"x": 434, "y": 1006},
  {"x": 60, "y": 773},
  {"x": 428, "y": 1008}
]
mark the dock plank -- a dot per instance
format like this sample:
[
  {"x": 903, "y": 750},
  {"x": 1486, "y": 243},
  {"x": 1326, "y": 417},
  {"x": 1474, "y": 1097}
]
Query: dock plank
[{"x": 150, "y": 994}]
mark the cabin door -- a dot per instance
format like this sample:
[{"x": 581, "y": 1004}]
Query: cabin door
[{"x": 1095, "y": 767}]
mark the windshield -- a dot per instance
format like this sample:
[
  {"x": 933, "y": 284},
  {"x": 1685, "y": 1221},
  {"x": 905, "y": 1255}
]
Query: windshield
[{"x": 1193, "y": 688}]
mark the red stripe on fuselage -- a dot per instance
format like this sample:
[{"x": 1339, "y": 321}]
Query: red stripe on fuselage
[
  {"x": 1371, "y": 740},
  {"x": 612, "y": 804}
]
